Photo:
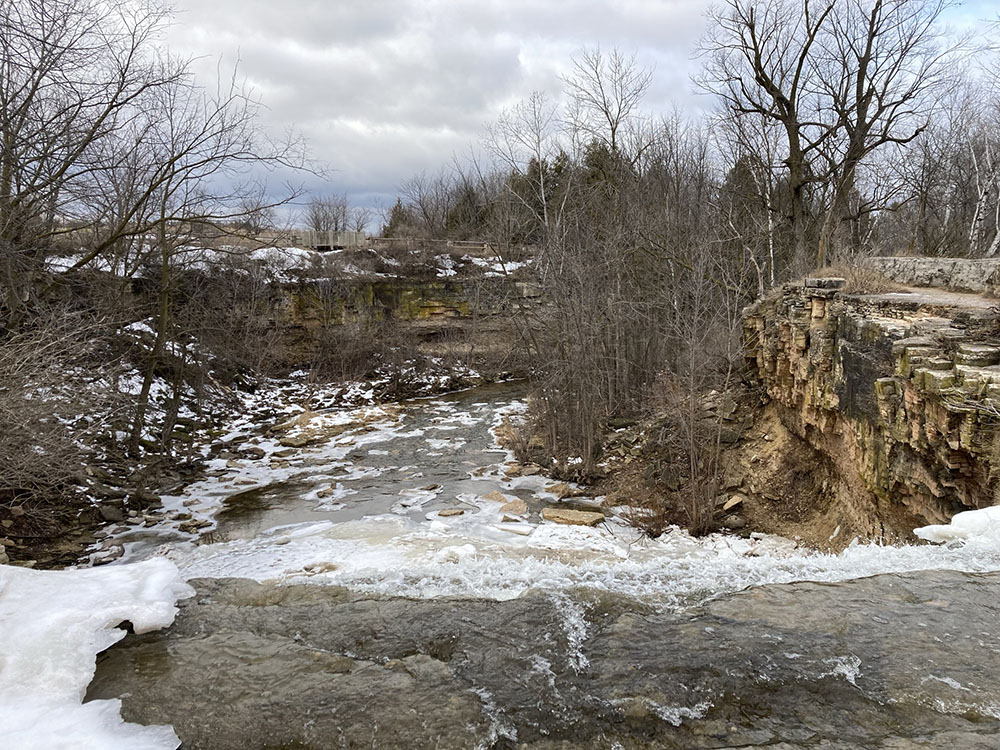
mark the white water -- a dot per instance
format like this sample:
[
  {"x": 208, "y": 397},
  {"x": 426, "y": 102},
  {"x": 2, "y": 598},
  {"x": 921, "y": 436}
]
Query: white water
[
  {"x": 406, "y": 548},
  {"x": 53, "y": 624}
]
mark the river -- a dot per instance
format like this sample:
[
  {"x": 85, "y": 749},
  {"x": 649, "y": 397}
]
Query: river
[{"x": 341, "y": 600}]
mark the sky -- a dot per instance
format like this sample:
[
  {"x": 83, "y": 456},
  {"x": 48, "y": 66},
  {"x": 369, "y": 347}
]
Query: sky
[{"x": 385, "y": 89}]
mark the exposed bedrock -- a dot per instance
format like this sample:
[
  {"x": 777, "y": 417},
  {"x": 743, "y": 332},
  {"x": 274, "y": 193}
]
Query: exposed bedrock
[{"x": 895, "y": 396}]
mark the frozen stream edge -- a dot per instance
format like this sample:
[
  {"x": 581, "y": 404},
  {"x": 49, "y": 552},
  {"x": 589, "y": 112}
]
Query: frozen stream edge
[{"x": 52, "y": 626}]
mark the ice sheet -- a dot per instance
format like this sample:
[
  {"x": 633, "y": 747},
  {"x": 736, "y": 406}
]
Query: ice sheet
[{"x": 52, "y": 626}]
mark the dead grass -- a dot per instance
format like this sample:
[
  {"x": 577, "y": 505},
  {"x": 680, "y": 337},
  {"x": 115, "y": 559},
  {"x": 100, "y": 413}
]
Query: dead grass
[{"x": 860, "y": 280}]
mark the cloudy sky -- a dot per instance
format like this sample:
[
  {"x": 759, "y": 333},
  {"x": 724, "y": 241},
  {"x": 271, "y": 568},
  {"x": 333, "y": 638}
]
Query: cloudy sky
[{"x": 384, "y": 89}]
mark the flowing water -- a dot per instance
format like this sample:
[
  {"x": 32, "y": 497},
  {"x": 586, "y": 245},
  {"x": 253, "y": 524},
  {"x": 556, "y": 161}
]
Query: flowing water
[{"x": 342, "y": 601}]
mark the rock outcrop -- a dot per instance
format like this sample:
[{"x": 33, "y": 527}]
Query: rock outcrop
[{"x": 895, "y": 396}]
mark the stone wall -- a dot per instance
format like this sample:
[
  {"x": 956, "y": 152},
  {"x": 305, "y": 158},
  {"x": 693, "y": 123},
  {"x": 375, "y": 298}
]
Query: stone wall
[
  {"x": 959, "y": 274},
  {"x": 899, "y": 394}
]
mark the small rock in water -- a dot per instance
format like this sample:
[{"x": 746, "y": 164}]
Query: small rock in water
[
  {"x": 513, "y": 470},
  {"x": 560, "y": 490},
  {"x": 531, "y": 470},
  {"x": 430, "y": 488},
  {"x": 515, "y": 507},
  {"x": 318, "y": 567},
  {"x": 451, "y": 512},
  {"x": 572, "y": 517},
  {"x": 496, "y": 497},
  {"x": 193, "y": 525}
]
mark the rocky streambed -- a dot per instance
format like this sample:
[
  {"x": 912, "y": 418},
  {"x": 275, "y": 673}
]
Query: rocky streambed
[
  {"x": 893, "y": 661},
  {"x": 384, "y": 577}
]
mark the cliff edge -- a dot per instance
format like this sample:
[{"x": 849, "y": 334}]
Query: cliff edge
[{"x": 881, "y": 411}]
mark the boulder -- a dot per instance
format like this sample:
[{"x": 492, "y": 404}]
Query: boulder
[
  {"x": 735, "y": 522},
  {"x": 296, "y": 441},
  {"x": 111, "y": 513},
  {"x": 572, "y": 517}
]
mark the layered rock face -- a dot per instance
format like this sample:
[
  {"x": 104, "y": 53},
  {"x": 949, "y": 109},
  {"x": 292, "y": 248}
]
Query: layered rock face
[{"x": 896, "y": 396}]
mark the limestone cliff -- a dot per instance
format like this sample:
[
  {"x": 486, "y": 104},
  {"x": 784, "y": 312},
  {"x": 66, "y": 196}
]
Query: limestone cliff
[{"x": 886, "y": 405}]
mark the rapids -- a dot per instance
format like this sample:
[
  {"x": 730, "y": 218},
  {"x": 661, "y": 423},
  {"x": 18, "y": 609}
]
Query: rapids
[{"x": 343, "y": 601}]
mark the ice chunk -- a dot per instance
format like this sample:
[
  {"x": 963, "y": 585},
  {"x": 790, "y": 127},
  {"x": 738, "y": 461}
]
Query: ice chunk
[
  {"x": 970, "y": 524},
  {"x": 52, "y": 626}
]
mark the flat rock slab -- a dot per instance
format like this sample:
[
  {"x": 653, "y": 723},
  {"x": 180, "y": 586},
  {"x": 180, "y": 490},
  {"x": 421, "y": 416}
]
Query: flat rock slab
[
  {"x": 572, "y": 517},
  {"x": 832, "y": 282},
  {"x": 515, "y": 507}
]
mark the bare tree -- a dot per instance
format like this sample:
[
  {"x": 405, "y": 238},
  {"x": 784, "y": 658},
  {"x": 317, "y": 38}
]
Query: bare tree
[
  {"x": 606, "y": 91},
  {"x": 359, "y": 219},
  {"x": 878, "y": 66},
  {"x": 759, "y": 61},
  {"x": 430, "y": 198},
  {"x": 328, "y": 213},
  {"x": 71, "y": 72}
]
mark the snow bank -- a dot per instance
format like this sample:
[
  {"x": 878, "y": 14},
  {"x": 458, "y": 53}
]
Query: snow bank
[
  {"x": 52, "y": 626},
  {"x": 981, "y": 525}
]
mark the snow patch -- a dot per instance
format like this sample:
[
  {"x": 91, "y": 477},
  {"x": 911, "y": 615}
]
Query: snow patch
[{"x": 52, "y": 626}]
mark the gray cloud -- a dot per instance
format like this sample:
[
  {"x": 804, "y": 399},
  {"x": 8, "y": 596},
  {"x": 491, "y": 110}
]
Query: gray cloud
[{"x": 386, "y": 88}]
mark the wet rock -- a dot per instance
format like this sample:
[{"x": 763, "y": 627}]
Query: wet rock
[
  {"x": 515, "y": 507},
  {"x": 190, "y": 527},
  {"x": 111, "y": 513},
  {"x": 496, "y": 496},
  {"x": 572, "y": 517},
  {"x": 513, "y": 470},
  {"x": 448, "y": 512},
  {"x": 430, "y": 488},
  {"x": 320, "y": 567},
  {"x": 560, "y": 490}
]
